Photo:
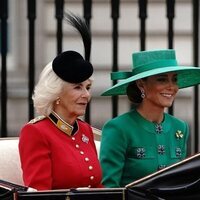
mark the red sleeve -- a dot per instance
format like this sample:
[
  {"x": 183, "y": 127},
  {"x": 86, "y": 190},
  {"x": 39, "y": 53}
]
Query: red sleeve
[{"x": 35, "y": 158}]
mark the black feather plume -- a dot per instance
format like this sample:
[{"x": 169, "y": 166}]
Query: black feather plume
[{"x": 81, "y": 26}]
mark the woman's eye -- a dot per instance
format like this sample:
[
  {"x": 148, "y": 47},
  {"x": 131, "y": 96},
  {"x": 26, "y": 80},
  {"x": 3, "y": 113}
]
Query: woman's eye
[
  {"x": 175, "y": 79},
  {"x": 77, "y": 87},
  {"x": 167, "y": 80},
  {"x": 161, "y": 79},
  {"x": 88, "y": 88}
]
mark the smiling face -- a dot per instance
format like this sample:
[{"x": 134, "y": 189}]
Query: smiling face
[
  {"x": 73, "y": 100},
  {"x": 160, "y": 90}
]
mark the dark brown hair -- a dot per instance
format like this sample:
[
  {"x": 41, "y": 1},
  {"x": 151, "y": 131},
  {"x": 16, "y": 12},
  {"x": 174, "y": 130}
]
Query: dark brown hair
[{"x": 134, "y": 93}]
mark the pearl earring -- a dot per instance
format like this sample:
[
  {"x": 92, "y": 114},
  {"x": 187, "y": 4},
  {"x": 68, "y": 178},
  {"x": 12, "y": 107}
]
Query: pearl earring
[{"x": 58, "y": 101}]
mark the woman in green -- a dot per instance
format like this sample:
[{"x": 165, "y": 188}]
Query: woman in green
[{"x": 146, "y": 139}]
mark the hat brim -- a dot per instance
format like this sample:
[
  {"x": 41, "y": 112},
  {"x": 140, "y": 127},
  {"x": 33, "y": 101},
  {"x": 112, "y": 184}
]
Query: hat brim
[{"x": 187, "y": 76}]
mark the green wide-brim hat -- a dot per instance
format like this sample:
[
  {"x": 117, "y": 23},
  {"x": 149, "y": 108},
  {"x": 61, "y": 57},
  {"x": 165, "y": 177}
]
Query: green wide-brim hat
[{"x": 149, "y": 63}]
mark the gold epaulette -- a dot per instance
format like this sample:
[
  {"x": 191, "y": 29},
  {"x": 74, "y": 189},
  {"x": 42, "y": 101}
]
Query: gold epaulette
[{"x": 37, "y": 119}]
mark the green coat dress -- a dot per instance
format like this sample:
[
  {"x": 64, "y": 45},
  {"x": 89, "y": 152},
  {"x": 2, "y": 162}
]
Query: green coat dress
[{"x": 133, "y": 147}]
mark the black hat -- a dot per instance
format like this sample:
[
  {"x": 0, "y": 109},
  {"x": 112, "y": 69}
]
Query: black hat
[{"x": 72, "y": 67}]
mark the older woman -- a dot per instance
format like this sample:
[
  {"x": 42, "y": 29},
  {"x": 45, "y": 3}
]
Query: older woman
[{"x": 57, "y": 148}]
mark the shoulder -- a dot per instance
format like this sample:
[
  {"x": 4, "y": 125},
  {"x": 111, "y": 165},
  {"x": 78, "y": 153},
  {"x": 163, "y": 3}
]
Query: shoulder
[
  {"x": 177, "y": 124},
  {"x": 121, "y": 119},
  {"x": 35, "y": 129},
  {"x": 37, "y": 119},
  {"x": 175, "y": 120},
  {"x": 120, "y": 125},
  {"x": 83, "y": 124},
  {"x": 35, "y": 123}
]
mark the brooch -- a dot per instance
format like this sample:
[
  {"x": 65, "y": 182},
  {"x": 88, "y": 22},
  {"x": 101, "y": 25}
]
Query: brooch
[
  {"x": 179, "y": 134},
  {"x": 178, "y": 152},
  {"x": 161, "y": 149},
  {"x": 85, "y": 138},
  {"x": 140, "y": 152},
  {"x": 159, "y": 128}
]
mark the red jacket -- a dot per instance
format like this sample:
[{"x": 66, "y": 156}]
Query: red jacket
[{"x": 51, "y": 159}]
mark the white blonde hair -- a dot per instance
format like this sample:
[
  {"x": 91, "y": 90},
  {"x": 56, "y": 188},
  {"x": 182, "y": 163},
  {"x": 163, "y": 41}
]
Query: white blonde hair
[{"x": 47, "y": 90}]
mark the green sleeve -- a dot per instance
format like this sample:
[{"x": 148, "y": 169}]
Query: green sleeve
[
  {"x": 112, "y": 153},
  {"x": 186, "y": 141}
]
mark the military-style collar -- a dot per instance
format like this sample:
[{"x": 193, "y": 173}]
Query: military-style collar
[{"x": 62, "y": 125}]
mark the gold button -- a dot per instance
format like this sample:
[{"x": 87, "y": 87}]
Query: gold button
[
  {"x": 91, "y": 177},
  {"x": 81, "y": 152},
  {"x": 73, "y": 138},
  {"x": 87, "y": 159},
  {"x": 77, "y": 146},
  {"x": 90, "y": 167}
]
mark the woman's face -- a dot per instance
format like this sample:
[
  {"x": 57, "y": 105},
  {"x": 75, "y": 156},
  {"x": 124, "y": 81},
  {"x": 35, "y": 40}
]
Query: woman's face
[
  {"x": 74, "y": 99},
  {"x": 160, "y": 90}
]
